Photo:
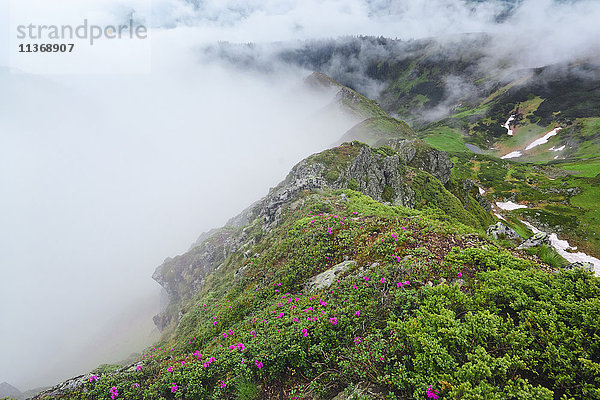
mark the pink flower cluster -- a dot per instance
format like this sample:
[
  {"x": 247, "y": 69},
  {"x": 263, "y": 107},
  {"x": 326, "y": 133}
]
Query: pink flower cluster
[
  {"x": 433, "y": 394},
  {"x": 210, "y": 361}
]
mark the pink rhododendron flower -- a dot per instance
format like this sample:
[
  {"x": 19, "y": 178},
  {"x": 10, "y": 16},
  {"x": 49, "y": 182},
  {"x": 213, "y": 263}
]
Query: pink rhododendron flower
[
  {"x": 304, "y": 332},
  {"x": 93, "y": 378},
  {"x": 259, "y": 364},
  {"x": 333, "y": 321},
  {"x": 357, "y": 340},
  {"x": 173, "y": 387},
  {"x": 433, "y": 394}
]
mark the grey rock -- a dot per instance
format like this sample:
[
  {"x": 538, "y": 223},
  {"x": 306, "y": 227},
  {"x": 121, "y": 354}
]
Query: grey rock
[
  {"x": 361, "y": 391},
  {"x": 483, "y": 202},
  {"x": 471, "y": 188},
  {"x": 418, "y": 154},
  {"x": 183, "y": 276},
  {"x": 586, "y": 266},
  {"x": 326, "y": 279},
  {"x": 373, "y": 174},
  {"x": 64, "y": 387},
  {"x": 239, "y": 273},
  {"x": 499, "y": 230},
  {"x": 536, "y": 240}
]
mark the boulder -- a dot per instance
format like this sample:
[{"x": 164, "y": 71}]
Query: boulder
[
  {"x": 499, "y": 230},
  {"x": 326, "y": 279},
  {"x": 536, "y": 240},
  {"x": 581, "y": 265}
]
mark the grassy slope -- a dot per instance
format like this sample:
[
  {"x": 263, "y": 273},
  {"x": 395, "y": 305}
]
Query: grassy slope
[
  {"x": 377, "y": 131},
  {"x": 510, "y": 330},
  {"x": 566, "y": 204}
]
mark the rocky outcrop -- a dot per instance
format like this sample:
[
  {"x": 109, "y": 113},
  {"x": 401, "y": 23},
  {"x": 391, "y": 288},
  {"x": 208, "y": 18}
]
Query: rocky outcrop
[
  {"x": 536, "y": 240},
  {"x": 499, "y": 230},
  {"x": 183, "y": 276},
  {"x": 471, "y": 188},
  {"x": 190, "y": 268},
  {"x": 63, "y": 387},
  {"x": 379, "y": 173},
  {"x": 419, "y": 154},
  {"x": 586, "y": 266},
  {"x": 378, "y": 176}
]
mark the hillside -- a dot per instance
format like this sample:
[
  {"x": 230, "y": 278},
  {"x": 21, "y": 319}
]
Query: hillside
[
  {"x": 9, "y": 391},
  {"x": 536, "y": 131},
  {"x": 398, "y": 264},
  {"x": 454, "y": 91},
  {"x": 366, "y": 272}
]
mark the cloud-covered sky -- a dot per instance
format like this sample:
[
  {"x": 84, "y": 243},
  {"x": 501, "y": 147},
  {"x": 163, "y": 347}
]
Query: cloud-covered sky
[{"x": 103, "y": 176}]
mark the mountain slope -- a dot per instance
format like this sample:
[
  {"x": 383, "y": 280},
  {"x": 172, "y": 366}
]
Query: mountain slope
[
  {"x": 9, "y": 391},
  {"x": 319, "y": 290},
  {"x": 367, "y": 272},
  {"x": 454, "y": 91},
  {"x": 421, "y": 305}
]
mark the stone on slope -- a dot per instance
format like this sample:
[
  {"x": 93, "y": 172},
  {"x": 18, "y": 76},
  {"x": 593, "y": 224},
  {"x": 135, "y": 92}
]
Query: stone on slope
[
  {"x": 536, "y": 240},
  {"x": 499, "y": 230},
  {"x": 326, "y": 279}
]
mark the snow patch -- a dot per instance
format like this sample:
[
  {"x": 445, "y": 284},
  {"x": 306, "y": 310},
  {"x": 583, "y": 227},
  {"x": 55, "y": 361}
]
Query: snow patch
[
  {"x": 499, "y": 216},
  {"x": 514, "y": 154},
  {"x": 561, "y": 247},
  {"x": 481, "y": 191},
  {"x": 533, "y": 228},
  {"x": 561, "y": 148},
  {"x": 544, "y": 139},
  {"x": 507, "y": 125},
  {"x": 509, "y": 205}
]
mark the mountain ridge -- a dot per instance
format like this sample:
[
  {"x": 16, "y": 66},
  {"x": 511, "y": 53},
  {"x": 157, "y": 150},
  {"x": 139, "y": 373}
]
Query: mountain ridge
[{"x": 402, "y": 227}]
